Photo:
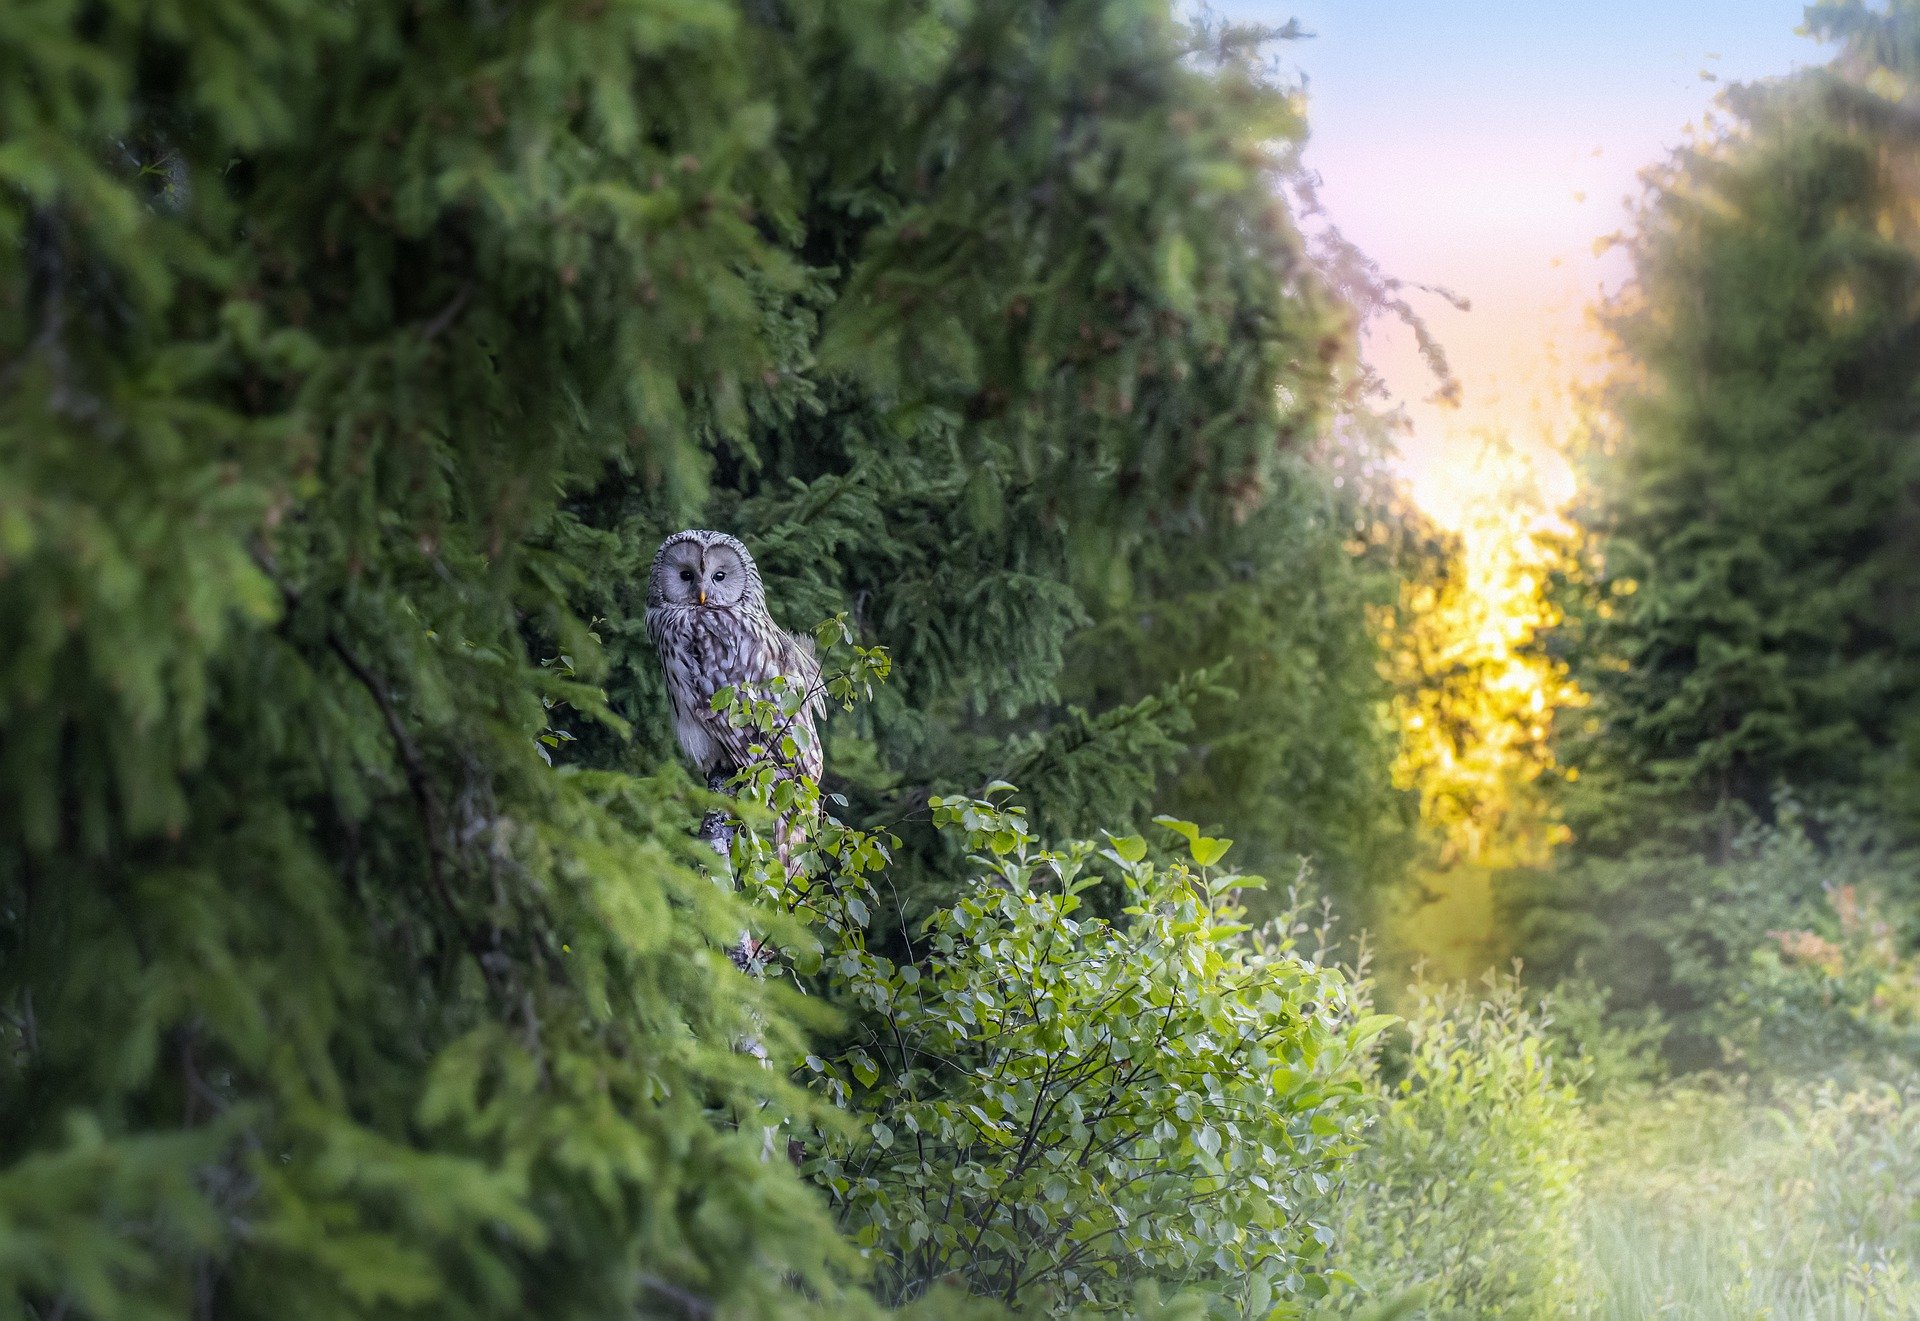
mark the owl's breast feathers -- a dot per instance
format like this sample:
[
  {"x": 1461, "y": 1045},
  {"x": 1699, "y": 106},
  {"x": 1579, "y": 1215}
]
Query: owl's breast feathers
[{"x": 704, "y": 649}]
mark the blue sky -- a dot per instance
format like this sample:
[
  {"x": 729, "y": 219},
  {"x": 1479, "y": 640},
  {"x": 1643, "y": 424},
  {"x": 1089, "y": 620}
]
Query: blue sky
[{"x": 1486, "y": 146}]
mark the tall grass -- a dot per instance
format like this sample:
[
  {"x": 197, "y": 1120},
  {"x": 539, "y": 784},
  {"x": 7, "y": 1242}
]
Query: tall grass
[
  {"x": 1701, "y": 1204},
  {"x": 1525, "y": 1167}
]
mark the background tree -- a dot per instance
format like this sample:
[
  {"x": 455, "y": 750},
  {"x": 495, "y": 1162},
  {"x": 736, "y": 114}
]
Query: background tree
[
  {"x": 1475, "y": 692},
  {"x": 1748, "y": 624}
]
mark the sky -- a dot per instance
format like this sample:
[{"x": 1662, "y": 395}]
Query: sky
[{"x": 1484, "y": 146}]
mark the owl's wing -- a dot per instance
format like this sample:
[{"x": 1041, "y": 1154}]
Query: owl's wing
[
  {"x": 750, "y": 661},
  {"x": 801, "y": 664}
]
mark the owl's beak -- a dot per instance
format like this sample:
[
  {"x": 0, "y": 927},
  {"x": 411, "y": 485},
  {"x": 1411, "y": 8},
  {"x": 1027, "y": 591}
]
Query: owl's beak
[{"x": 703, "y": 596}]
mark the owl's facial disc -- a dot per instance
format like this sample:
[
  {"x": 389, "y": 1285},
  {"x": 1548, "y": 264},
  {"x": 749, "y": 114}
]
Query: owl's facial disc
[
  {"x": 677, "y": 579},
  {"x": 723, "y": 578},
  {"x": 693, "y": 570}
]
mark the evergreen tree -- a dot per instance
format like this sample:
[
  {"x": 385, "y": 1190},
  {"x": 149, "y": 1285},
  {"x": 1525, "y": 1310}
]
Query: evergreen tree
[
  {"x": 1101, "y": 543},
  {"x": 352, "y": 358},
  {"x": 1748, "y": 625},
  {"x": 1275, "y": 613}
]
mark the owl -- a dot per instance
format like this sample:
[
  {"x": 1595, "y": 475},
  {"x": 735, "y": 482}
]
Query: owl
[{"x": 707, "y": 615}]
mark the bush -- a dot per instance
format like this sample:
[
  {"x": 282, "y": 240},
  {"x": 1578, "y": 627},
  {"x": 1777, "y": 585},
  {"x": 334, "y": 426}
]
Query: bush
[
  {"x": 1837, "y": 993},
  {"x": 1053, "y": 1109},
  {"x": 1465, "y": 1189},
  {"x": 1674, "y": 925}
]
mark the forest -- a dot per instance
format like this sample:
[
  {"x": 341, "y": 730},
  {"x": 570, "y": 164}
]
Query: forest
[{"x": 364, "y": 949}]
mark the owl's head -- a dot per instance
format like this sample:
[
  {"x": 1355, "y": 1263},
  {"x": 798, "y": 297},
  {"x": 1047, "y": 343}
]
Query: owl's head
[{"x": 701, "y": 568}]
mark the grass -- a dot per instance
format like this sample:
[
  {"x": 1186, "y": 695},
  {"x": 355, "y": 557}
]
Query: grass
[
  {"x": 1699, "y": 1204},
  {"x": 1504, "y": 1178}
]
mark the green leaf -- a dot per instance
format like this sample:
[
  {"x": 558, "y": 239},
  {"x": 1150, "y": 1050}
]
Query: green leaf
[
  {"x": 1185, "y": 829},
  {"x": 1371, "y": 1026},
  {"x": 1208, "y": 850}
]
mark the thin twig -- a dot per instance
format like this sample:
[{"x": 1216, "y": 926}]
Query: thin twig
[
  {"x": 432, "y": 812},
  {"x": 692, "y": 1304},
  {"x": 433, "y": 328}
]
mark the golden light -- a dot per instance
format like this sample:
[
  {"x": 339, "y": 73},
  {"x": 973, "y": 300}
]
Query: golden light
[{"x": 1475, "y": 691}]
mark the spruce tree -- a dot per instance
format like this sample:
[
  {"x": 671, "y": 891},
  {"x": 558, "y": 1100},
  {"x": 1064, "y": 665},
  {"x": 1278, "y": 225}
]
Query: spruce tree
[
  {"x": 1102, "y": 542},
  {"x": 1748, "y": 628}
]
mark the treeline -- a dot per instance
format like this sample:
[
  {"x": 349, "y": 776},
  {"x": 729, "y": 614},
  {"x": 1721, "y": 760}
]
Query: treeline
[
  {"x": 356, "y": 955},
  {"x": 1701, "y": 1098}
]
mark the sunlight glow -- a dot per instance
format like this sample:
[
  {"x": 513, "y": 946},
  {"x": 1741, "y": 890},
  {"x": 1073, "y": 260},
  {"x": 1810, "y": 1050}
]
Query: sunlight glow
[{"x": 1476, "y": 695}]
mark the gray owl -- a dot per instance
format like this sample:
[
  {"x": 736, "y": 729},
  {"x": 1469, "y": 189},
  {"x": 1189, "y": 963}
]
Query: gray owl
[{"x": 707, "y": 615}]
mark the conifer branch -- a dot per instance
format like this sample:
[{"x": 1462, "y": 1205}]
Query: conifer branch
[
  {"x": 48, "y": 269},
  {"x": 427, "y": 804}
]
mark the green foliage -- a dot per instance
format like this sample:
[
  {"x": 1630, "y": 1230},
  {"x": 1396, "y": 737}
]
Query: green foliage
[
  {"x": 1464, "y": 1192},
  {"x": 1754, "y": 516},
  {"x": 1130, "y": 434},
  {"x": 1745, "y": 624},
  {"x": 325, "y": 995},
  {"x": 1526, "y": 1162},
  {"x": 351, "y": 360},
  {"x": 1696, "y": 936},
  {"x": 1837, "y": 994},
  {"x": 1054, "y": 1109},
  {"x": 1275, "y": 610}
]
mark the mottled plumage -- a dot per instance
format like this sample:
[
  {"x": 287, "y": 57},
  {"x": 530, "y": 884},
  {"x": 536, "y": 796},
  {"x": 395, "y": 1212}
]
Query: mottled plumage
[{"x": 707, "y": 615}]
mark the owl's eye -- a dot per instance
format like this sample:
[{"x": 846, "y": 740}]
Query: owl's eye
[
  {"x": 720, "y": 575},
  {"x": 686, "y": 575}
]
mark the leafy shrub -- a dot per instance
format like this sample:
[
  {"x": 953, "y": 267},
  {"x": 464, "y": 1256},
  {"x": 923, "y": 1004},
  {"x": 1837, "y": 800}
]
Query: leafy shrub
[
  {"x": 1611, "y": 1056},
  {"x": 1675, "y": 925},
  {"x": 1465, "y": 1188},
  {"x": 1837, "y": 994},
  {"x": 1054, "y": 1109}
]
